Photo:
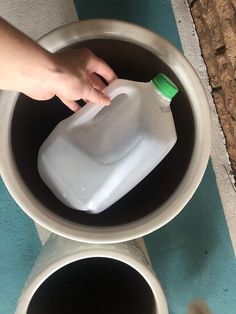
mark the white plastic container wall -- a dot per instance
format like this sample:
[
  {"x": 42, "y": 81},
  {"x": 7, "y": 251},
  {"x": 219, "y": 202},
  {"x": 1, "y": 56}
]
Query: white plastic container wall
[{"x": 94, "y": 157}]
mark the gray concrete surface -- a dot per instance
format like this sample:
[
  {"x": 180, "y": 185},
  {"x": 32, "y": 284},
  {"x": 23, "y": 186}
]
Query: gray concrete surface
[
  {"x": 220, "y": 160},
  {"x": 35, "y": 18}
]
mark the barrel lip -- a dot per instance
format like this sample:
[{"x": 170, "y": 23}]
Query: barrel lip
[
  {"x": 101, "y": 28},
  {"x": 100, "y": 252}
]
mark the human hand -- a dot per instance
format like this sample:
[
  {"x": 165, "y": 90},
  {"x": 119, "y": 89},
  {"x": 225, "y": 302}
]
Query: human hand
[
  {"x": 75, "y": 74},
  {"x": 70, "y": 75}
]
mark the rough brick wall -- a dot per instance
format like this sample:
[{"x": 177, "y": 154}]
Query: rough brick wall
[{"x": 215, "y": 22}]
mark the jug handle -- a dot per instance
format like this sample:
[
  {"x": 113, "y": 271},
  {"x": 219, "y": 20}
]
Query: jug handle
[{"x": 90, "y": 110}]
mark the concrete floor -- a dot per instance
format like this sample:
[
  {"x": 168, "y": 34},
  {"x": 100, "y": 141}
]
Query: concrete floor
[{"x": 36, "y": 18}]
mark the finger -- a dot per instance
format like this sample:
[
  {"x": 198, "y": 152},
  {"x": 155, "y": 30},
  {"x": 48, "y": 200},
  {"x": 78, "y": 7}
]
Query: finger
[
  {"x": 71, "y": 104},
  {"x": 102, "y": 68},
  {"x": 38, "y": 95},
  {"x": 96, "y": 96},
  {"x": 96, "y": 81}
]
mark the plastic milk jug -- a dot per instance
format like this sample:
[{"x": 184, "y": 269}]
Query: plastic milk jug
[{"x": 94, "y": 157}]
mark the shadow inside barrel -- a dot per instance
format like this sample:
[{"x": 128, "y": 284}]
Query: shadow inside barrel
[{"x": 94, "y": 285}]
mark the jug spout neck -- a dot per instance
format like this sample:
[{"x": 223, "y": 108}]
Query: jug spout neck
[{"x": 165, "y": 86}]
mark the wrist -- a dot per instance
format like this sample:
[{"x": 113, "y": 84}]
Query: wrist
[{"x": 40, "y": 72}]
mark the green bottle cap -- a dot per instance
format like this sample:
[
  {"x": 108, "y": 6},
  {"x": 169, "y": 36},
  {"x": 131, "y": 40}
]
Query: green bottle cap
[{"x": 165, "y": 85}]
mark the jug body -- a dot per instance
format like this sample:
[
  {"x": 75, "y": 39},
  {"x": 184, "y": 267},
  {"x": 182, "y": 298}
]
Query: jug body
[{"x": 97, "y": 155}]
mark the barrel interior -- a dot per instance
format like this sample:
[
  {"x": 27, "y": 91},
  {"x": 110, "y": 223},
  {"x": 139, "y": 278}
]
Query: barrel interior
[
  {"x": 94, "y": 285},
  {"x": 33, "y": 121}
]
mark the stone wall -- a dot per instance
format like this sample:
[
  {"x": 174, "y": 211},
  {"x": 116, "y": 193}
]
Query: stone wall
[{"x": 215, "y": 22}]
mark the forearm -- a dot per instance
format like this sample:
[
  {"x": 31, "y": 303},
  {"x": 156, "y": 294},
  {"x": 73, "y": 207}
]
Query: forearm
[{"x": 20, "y": 57}]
